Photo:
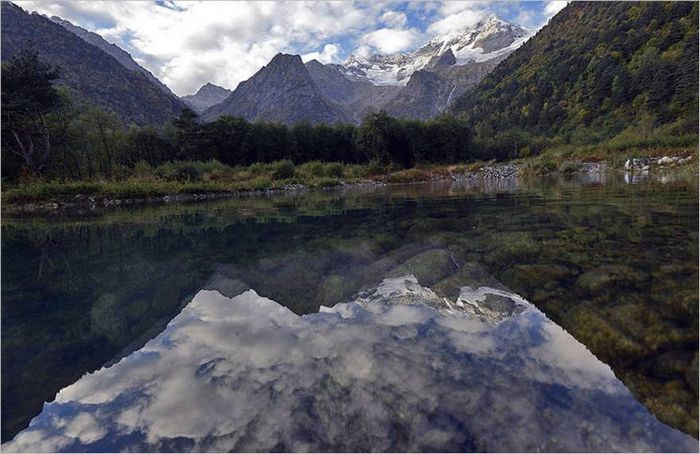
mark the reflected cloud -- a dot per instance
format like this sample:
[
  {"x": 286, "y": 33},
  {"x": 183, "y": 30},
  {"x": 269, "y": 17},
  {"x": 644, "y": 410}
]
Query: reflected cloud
[{"x": 398, "y": 368}]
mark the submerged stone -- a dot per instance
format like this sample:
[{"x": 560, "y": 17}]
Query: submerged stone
[{"x": 429, "y": 267}]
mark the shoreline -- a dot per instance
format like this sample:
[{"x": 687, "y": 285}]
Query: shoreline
[{"x": 474, "y": 173}]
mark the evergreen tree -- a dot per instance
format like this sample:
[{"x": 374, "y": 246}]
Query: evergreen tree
[{"x": 28, "y": 98}]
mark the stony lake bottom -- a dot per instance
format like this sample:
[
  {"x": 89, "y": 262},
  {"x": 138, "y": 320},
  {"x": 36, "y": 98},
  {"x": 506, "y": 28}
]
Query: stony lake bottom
[{"x": 556, "y": 314}]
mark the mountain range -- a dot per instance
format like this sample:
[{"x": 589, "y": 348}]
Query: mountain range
[
  {"x": 578, "y": 72},
  {"x": 488, "y": 39},
  {"x": 208, "y": 95},
  {"x": 419, "y": 84}
]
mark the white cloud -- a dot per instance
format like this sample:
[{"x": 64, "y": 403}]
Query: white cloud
[
  {"x": 188, "y": 44},
  {"x": 527, "y": 18},
  {"x": 456, "y": 19},
  {"x": 330, "y": 54},
  {"x": 394, "y": 19},
  {"x": 391, "y": 40},
  {"x": 553, "y": 7}
]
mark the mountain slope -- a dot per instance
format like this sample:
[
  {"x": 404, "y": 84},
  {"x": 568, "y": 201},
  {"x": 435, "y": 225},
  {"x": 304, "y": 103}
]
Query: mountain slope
[
  {"x": 283, "y": 91},
  {"x": 430, "y": 91},
  {"x": 357, "y": 97},
  {"x": 115, "y": 51},
  {"x": 593, "y": 71},
  {"x": 436, "y": 74},
  {"x": 89, "y": 73},
  {"x": 207, "y": 96}
]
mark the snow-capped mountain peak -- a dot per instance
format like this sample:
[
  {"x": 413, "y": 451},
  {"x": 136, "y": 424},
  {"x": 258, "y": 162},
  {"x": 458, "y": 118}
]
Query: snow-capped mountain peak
[{"x": 491, "y": 37}]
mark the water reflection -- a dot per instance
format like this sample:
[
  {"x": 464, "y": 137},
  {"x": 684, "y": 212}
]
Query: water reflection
[
  {"x": 615, "y": 265},
  {"x": 398, "y": 369}
]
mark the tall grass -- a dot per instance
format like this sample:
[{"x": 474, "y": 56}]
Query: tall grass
[{"x": 187, "y": 177}]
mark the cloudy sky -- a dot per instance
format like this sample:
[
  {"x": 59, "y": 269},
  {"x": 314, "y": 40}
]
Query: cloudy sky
[{"x": 186, "y": 44}]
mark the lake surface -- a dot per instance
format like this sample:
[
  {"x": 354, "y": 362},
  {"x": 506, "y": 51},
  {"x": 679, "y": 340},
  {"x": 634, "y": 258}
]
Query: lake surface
[{"x": 552, "y": 314}]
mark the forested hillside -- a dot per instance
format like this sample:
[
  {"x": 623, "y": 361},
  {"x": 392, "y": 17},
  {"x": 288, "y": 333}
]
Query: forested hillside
[
  {"x": 90, "y": 74},
  {"x": 596, "y": 71}
]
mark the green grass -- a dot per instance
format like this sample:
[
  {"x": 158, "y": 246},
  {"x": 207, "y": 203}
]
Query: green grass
[
  {"x": 132, "y": 188},
  {"x": 145, "y": 181},
  {"x": 409, "y": 176}
]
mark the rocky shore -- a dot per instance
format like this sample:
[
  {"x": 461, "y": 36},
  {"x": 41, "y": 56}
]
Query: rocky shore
[{"x": 632, "y": 164}]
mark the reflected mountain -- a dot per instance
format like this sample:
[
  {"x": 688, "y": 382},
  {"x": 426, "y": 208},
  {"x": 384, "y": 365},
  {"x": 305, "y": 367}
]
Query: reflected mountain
[
  {"x": 399, "y": 368},
  {"x": 613, "y": 264}
]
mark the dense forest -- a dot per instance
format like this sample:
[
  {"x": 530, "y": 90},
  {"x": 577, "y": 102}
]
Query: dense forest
[{"x": 598, "y": 70}]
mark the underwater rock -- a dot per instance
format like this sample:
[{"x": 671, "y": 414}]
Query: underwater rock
[
  {"x": 594, "y": 281},
  {"x": 671, "y": 364},
  {"x": 691, "y": 375},
  {"x": 429, "y": 267},
  {"x": 605, "y": 276},
  {"x": 529, "y": 278},
  {"x": 513, "y": 248},
  {"x": 600, "y": 335},
  {"x": 471, "y": 274}
]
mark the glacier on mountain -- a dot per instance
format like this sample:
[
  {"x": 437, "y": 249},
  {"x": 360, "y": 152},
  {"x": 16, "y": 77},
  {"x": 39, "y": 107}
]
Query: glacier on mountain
[{"x": 488, "y": 39}]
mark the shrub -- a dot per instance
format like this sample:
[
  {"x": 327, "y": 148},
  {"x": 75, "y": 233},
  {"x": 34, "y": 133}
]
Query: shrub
[
  {"x": 257, "y": 183},
  {"x": 334, "y": 169},
  {"x": 188, "y": 172},
  {"x": 568, "y": 167},
  {"x": 167, "y": 171},
  {"x": 540, "y": 165},
  {"x": 258, "y": 168},
  {"x": 281, "y": 170},
  {"x": 356, "y": 171},
  {"x": 325, "y": 182},
  {"x": 374, "y": 167},
  {"x": 312, "y": 168},
  {"x": 122, "y": 172},
  {"x": 142, "y": 169},
  {"x": 211, "y": 165}
]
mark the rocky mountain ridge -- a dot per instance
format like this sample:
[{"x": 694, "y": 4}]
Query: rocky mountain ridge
[
  {"x": 489, "y": 38},
  {"x": 208, "y": 95},
  {"x": 419, "y": 84},
  {"x": 90, "y": 74},
  {"x": 282, "y": 91},
  {"x": 111, "y": 49}
]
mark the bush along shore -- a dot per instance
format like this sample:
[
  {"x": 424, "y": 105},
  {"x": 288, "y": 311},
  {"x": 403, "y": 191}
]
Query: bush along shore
[{"x": 194, "y": 180}]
